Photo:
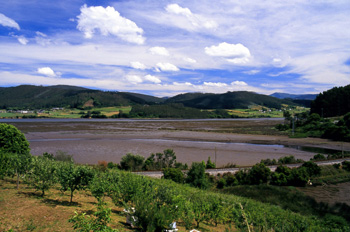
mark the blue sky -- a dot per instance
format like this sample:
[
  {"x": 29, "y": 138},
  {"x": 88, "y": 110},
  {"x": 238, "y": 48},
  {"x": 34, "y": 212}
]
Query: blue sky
[{"x": 164, "y": 48}]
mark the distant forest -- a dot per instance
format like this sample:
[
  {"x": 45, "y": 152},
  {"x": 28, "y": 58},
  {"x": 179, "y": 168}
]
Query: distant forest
[{"x": 333, "y": 102}]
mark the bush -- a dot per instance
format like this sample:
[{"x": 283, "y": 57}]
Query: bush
[
  {"x": 173, "y": 174},
  {"x": 210, "y": 164},
  {"x": 196, "y": 176},
  {"x": 312, "y": 168},
  {"x": 131, "y": 162},
  {"x": 318, "y": 157},
  {"x": 346, "y": 165},
  {"x": 63, "y": 156},
  {"x": 258, "y": 174}
]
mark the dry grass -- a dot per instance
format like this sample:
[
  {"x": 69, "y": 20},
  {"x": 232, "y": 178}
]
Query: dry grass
[{"x": 26, "y": 210}]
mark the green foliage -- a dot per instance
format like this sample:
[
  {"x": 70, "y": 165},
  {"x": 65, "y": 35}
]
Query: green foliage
[
  {"x": 63, "y": 156},
  {"x": 333, "y": 102},
  {"x": 5, "y": 164},
  {"x": 159, "y": 160},
  {"x": 196, "y": 176},
  {"x": 98, "y": 222},
  {"x": 258, "y": 174},
  {"x": 73, "y": 177},
  {"x": 318, "y": 157},
  {"x": 132, "y": 162},
  {"x": 173, "y": 174},
  {"x": 346, "y": 165},
  {"x": 42, "y": 174},
  {"x": 210, "y": 164},
  {"x": 12, "y": 140},
  {"x": 312, "y": 168}
]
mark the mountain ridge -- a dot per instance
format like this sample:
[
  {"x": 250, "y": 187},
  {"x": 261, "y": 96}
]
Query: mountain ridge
[{"x": 36, "y": 97}]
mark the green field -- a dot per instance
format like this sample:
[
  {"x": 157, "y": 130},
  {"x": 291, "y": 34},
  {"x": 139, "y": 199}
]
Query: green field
[
  {"x": 68, "y": 113},
  {"x": 260, "y": 111}
]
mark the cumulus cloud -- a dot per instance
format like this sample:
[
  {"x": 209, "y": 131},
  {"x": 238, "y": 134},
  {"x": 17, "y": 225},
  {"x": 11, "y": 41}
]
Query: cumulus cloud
[
  {"x": 159, "y": 51},
  {"x": 8, "y": 22},
  {"x": 138, "y": 65},
  {"x": 47, "y": 71},
  {"x": 109, "y": 22},
  {"x": 153, "y": 79},
  {"x": 134, "y": 79},
  {"x": 197, "y": 21},
  {"x": 23, "y": 40},
  {"x": 239, "y": 83},
  {"x": 166, "y": 67},
  {"x": 235, "y": 53},
  {"x": 215, "y": 84}
]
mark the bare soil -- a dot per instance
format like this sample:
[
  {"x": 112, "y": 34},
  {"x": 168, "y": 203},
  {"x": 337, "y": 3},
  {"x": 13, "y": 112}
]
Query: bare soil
[{"x": 230, "y": 141}]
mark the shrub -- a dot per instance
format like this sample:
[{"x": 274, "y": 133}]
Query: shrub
[
  {"x": 131, "y": 162},
  {"x": 258, "y": 174},
  {"x": 318, "y": 157},
  {"x": 63, "y": 156},
  {"x": 196, "y": 176},
  {"x": 312, "y": 168},
  {"x": 210, "y": 164},
  {"x": 173, "y": 174}
]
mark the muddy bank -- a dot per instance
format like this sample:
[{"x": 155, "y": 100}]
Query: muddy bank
[{"x": 191, "y": 140}]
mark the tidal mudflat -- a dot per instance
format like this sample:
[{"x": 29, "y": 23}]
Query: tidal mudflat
[{"x": 240, "y": 141}]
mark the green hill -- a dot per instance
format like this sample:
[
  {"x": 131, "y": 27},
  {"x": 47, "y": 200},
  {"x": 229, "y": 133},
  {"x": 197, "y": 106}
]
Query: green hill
[
  {"x": 229, "y": 100},
  {"x": 36, "y": 97},
  {"x": 333, "y": 102}
]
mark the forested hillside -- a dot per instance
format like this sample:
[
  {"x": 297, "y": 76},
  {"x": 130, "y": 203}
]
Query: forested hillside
[
  {"x": 37, "y": 97},
  {"x": 333, "y": 102},
  {"x": 229, "y": 100}
]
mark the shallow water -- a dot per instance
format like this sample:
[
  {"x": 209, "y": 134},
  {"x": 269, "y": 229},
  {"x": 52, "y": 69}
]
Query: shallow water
[{"x": 90, "y": 141}]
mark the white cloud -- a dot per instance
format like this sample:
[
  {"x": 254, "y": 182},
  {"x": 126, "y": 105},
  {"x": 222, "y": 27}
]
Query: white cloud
[
  {"x": 153, "y": 79},
  {"x": 108, "y": 21},
  {"x": 215, "y": 84},
  {"x": 166, "y": 67},
  {"x": 138, "y": 65},
  {"x": 47, "y": 71},
  {"x": 8, "y": 22},
  {"x": 252, "y": 72},
  {"x": 134, "y": 79},
  {"x": 197, "y": 21},
  {"x": 42, "y": 39},
  {"x": 239, "y": 83},
  {"x": 23, "y": 40},
  {"x": 235, "y": 53},
  {"x": 189, "y": 60},
  {"x": 159, "y": 51}
]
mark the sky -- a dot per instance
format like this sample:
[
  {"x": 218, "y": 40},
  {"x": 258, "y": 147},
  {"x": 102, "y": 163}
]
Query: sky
[{"x": 164, "y": 48}]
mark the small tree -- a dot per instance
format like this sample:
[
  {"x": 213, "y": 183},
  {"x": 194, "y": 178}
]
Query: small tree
[
  {"x": 73, "y": 177},
  {"x": 42, "y": 174},
  {"x": 312, "y": 168},
  {"x": 13, "y": 141},
  {"x": 259, "y": 174},
  {"x": 99, "y": 221},
  {"x": 210, "y": 164},
  {"x": 132, "y": 162},
  {"x": 196, "y": 176}
]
